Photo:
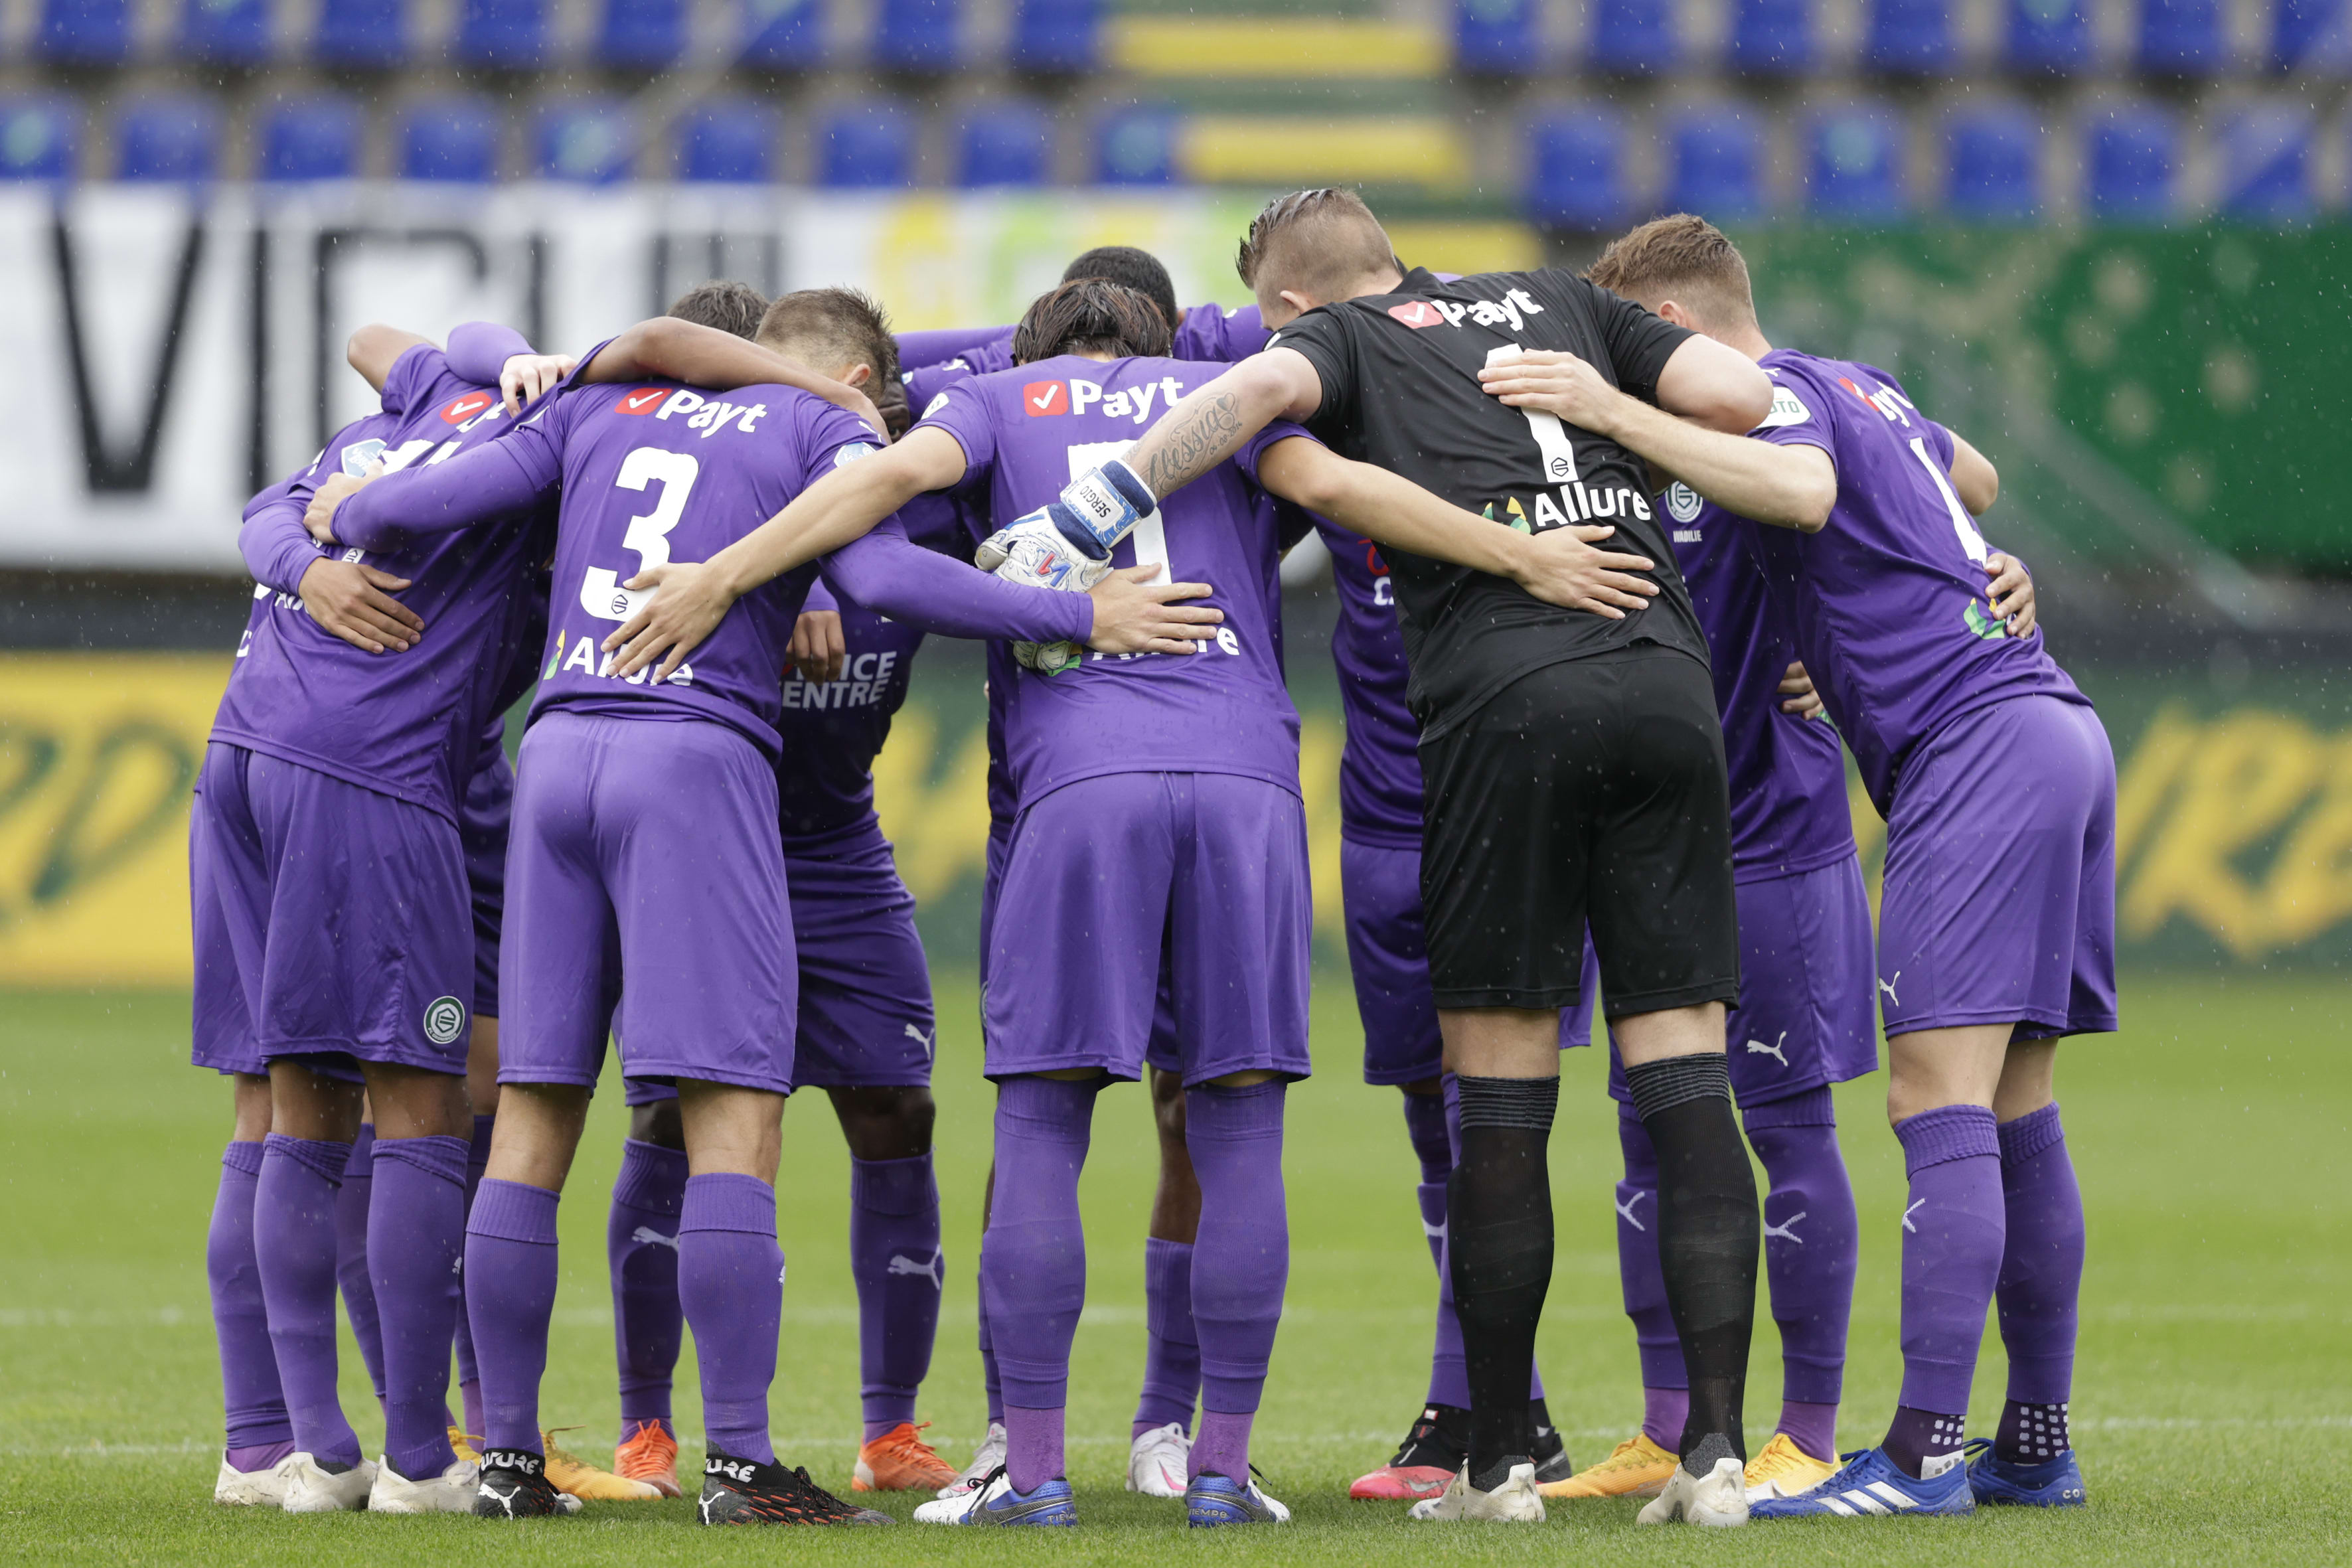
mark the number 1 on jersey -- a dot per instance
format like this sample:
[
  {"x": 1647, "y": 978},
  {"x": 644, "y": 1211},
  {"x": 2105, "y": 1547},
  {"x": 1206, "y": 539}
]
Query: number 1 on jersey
[
  {"x": 600, "y": 594},
  {"x": 1962, "y": 524}
]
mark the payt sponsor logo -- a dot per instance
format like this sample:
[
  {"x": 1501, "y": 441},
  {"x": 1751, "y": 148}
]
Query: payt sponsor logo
[
  {"x": 461, "y": 409},
  {"x": 1044, "y": 397},
  {"x": 644, "y": 400},
  {"x": 1135, "y": 404}
]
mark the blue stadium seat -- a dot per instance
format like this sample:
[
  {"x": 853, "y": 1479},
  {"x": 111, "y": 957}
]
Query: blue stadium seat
[
  {"x": 2047, "y": 38},
  {"x": 1717, "y": 167},
  {"x": 729, "y": 141},
  {"x": 1772, "y": 37},
  {"x": 83, "y": 33},
  {"x": 784, "y": 35},
  {"x": 1138, "y": 146},
  {"x": 865, "y": 145},
  {"x": 361, "y": 34},
  {"x": 226, "y": 32},
  {"x": 2310, "y": 35},
  {"x": 2182, "y": 38},
  {"x": 1004, "y": 144},
  {"x": 40, "y": 139},
  {"x": 1909, "y": 37},
  {"x": 641, "y": 35},
  {"x": 1576, "y": 169},
  {"x": 1060, "y": 37},
  {"x": 2133, "y": 151},
  {"x": 451, "y": 139},
  {"x": 591, "y": 140},
  {"x": 168, "y": 137},
  {"x": 2266, "y": 163},
  {"x": 310, "y": 139},
  {"x": 505, "y": 35},
  {"x": 1498, "y": 38},
  {"x": 1633, "y": 37},
  {"x": 920, "y": 37},
  {"x": 1992, "y": 164},
  {"x": 1855, "y": 166}
]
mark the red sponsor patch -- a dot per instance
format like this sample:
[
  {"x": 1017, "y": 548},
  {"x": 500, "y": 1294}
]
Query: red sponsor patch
[
  {"x": 1858, "y": 392},
  {"x": 1417, "y": 314},
  {"x": 644, "y": 400},
  {"x": 466, "y": 407},
  {"x": 1045, "y": 397}
]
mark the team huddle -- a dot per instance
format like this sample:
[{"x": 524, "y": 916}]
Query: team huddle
[{"x": 1616, "y": 579}]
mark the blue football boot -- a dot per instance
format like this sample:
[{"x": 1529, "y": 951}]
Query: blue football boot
[
  {"x": 1213, "y": 1500},
  {"x": 1871, "y": 1485},
  {"x": 994, "y": 1502},
  {"x": 2053, "y": 1483}
]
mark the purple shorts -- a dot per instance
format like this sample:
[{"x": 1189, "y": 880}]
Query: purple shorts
[
  {"x": 329, "y": 922},
  {"x": 482, "y": 829},
  {"x": 1114, "y": 880},
  {"x": 1380, "y": 891},
  {"x": 645, "y": 868},
  {"x": 864, "y": 986},
  {"x": 1999, "y": 905},
  {"x": 1804, "y": 1016}
]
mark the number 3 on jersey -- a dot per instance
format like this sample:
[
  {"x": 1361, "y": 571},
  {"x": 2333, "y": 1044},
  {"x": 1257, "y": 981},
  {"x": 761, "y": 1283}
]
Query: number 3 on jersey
[{"x": 600, "y": 594}]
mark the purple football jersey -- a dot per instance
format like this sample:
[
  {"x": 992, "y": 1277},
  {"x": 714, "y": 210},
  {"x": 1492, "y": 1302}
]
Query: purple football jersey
[
  {"x": 1026, "y": 434},
  {"x": 924, "y": 383},
  {"x": 1789, "y": 811},
  {"x": 1214, "y": 333},
  {"x": 1380, "y": 766},
  {"x": 404, "y": 724},
  {"x": 1888, "y": 600}
]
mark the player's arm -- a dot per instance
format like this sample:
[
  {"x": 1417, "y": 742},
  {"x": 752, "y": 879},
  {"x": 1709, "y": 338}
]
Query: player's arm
[
  {"x": 1560, "y": 566},
  {"x": 375, "y": 348},
  {"x": 1712, "y": 384},
  {"x": 1974, "y": 479},
  {"x": 495, "y": 479},
  {"x": 817, "y": 647},
  {"x": 491, "y": 354},
  {"x": 1210, "y": 424},
  {"x": 673, "y": 349},
  {"x": 348, "y": 598}
]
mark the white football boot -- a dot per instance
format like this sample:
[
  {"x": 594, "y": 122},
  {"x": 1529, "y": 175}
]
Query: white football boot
[
  {"x": 1157, "y": 1460},
  {"x": 451, "y": 1491},
  {"x": 254, "y": 1489},
  {"x": 1516, "y": 1502},
  {"x": 311, "y": 1488},
  {"x": 1717, "y": 1497},
  {"x": 986, "y": 1460}
]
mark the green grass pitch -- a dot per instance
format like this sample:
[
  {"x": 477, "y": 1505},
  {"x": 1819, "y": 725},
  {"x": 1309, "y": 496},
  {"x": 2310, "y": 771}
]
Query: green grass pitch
[{"x": 2213, "y": 1411}]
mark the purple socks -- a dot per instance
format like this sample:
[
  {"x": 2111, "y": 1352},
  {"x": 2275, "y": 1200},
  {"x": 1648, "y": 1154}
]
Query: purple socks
[
  {"x": 1241, "y": 1261},
  {"x": 1666, "y": 1386},
  {"x": 1425, "y": 1124},
  {"x": 351, "y": 1202},
  {"x": 731, "y": 1280},
  {"x": 1171, "y": 1344},
  {"x": 249, "y": 1389},
  {"x": 2040, "y": 1283},
  {"x": 991, "y": 1382},
  {"x": 1953, "y": 1231},
  {"x": 469, "y": 1383},
  {"x": 510, "y": 1295},
  {"x": 1033, "y": 1265},
  {"x": 641, "y": 1249},
  {"x": 1812, "y": 1239},
  {"x": 894, "y": 1252},
  {"x": 417, "y": 1228},
  {"x": 294, "y": 1249}
]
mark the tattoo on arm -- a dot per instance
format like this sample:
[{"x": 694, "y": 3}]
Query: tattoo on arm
[{"x": 1197, "y": 440}]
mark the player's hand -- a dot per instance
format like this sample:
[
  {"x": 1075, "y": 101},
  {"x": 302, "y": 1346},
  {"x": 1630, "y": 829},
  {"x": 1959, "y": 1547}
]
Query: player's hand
[
  {"x": 1558, "y": 384},
  {"x": 1031, "y": 550},
  {"x": 319, "y": 517},
  {"x": 674, "y": 622},
  {"x": 817, "y": 648},
  {"x": 1133, "y": 617},
  {"x": 356, "y": 603},
  {"x": 2011, "y": 593},
  {"x": 527, "y": 378},
  {"x": 1798, "y": 697},
  {"x": 1566, "y": 566}
]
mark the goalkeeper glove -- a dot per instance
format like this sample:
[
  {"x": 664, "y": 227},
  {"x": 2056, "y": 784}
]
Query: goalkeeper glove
[{"x": 1100, "y": 508}]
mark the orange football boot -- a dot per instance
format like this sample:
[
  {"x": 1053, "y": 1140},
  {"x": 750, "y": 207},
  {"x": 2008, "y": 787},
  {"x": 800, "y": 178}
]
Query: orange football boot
[
  {"x": 900, "y": 1461},
  {"x": 648, "y": 1454}
]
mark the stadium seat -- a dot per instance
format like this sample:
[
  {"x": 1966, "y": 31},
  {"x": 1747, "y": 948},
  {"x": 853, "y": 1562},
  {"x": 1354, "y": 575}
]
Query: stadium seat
[
  {"x": 641, "y": 35},
  {"x": 2047, "y": 38},
  {"x": 1772, "y": 37},
  {"x": 591, "y": 140},
  {"x": 2311, "y": 34},
  {"x": 226, "y": 32},
  {"x": 784, "y": 35},
  {"x": 168, "y": 137},
  {"x": 1004, "y": 144},
  {"x": 922, "y": 37},
  {"x": 1063, "y": 38},
  {"x": 2266, "y": 163},
  {"x": 504, "y": 35},
  {"x": 1137, "y": 146},
  {"x": 2133, "y": 150},
  {"x": 83, "y": 33},
  {"x": 361, "y": 34},
  {"x": 310, "y": 139},
  {"x": 1992, "y": 164},
  {"x": 1717, "y": 165},
  {"x": 1576, "y": 169},
  {"x": 1633, "y": 37},
  {"x": 451, "y": 139},
  {"x": 40, "y": 139},
  {"x": 1909, "y": 37},
  {"x": 865, "y": 145},
  {"x": 1498, "y": 38},
  {"x": 2182, "y": 39},
  {"x": 728, "y": 141},
  {"x": 1855, "y": 166}
]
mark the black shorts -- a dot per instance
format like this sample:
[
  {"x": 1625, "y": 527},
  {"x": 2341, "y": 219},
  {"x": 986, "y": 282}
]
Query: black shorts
[{"x": 1586, "y": 792}]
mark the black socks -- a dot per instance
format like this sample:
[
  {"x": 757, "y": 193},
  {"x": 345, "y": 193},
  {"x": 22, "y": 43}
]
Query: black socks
[
  {"x": 2032, "y": 1434},
  {"x": 1500, "y": 1241},
  {"x": 1709, "y": 1235}
]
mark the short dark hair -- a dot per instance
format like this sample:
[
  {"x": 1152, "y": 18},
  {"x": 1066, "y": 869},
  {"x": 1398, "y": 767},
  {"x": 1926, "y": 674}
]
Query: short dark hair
[
  {"x": 1139, "y": 269},
  {"x": 1091, "y": 315},
  {"x": 890, "y": 401},
  {"x": 1317, "y": 241},
  {"x": 723, "y": 303},
  {"x": 1684, "y": 257},
  {"x": 831, "y": 327}
]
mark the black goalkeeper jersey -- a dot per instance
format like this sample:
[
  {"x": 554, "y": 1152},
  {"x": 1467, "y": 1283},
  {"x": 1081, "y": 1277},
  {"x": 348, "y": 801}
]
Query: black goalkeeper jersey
[{"x": 1401, "y": 390}]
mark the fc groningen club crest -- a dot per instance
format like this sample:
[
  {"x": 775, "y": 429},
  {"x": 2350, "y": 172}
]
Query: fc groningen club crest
[{"x": 444, "y": 1020}]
